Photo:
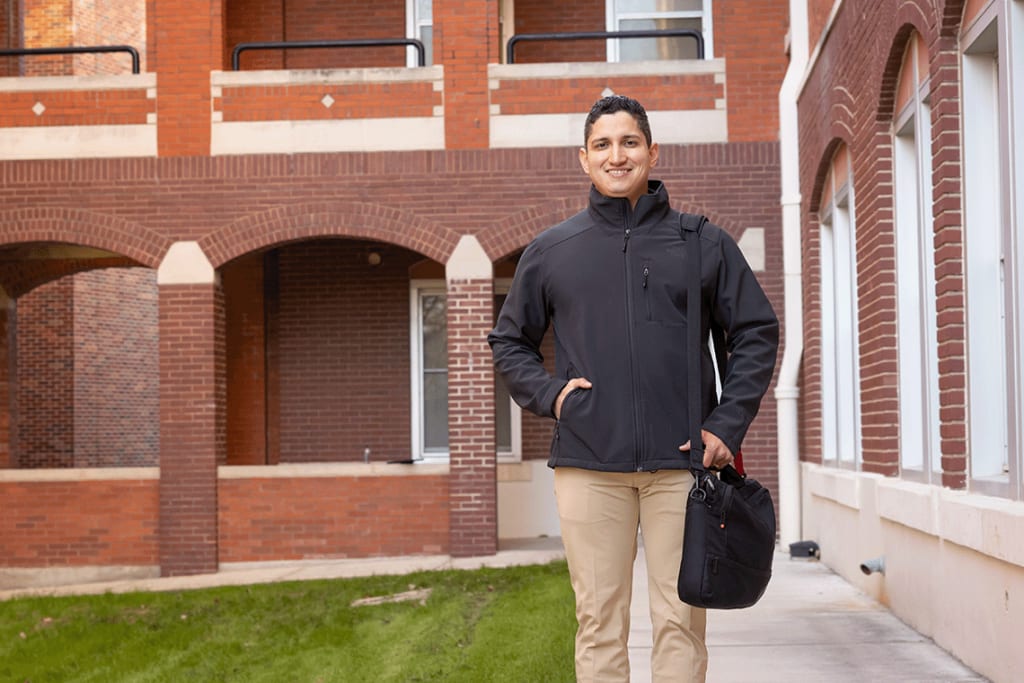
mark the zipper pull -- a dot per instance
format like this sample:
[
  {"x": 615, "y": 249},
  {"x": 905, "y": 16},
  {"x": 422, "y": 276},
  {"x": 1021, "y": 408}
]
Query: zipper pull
[
  {"x": 647, "y": 272},
  {"x": 625, "y": 241}
]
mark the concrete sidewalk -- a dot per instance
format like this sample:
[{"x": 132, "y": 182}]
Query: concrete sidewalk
[{"x": 811, "y": 625}]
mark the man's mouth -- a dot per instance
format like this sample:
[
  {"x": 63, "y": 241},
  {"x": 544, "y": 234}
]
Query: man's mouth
[{"x": 619, "y": 172}]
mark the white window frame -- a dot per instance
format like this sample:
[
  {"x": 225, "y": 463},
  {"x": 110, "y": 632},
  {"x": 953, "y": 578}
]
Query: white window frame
[
  {"x": 840, "y": 349},
  {"x": 992, "y": 257},
  {"x": 414, "y": 25},
  {"x": 613, "y": 18},
  {"x": 418, "y": 288},
  {"x": 917, "y": 333},
  {"x": 515, "y": 452}
]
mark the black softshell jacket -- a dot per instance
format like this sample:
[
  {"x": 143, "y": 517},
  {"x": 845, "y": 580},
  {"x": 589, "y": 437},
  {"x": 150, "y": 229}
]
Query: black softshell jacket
[{"x": 611, "y": 283}]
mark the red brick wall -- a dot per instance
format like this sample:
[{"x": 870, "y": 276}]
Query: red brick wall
[
  {"x": 47, "y": 23},
  {"x": 749, "y": 35},
  {"x": 44, "y": 422},
  {"x": 7, "y": 381},
  {"x": 116, "y": 402},
  {"x": 343, "y": 350},
  {"x": 318, "y": 518},
  {"x": 75, "y": 108},
  {"x": 560, "y": 96},
  {"x": 303, "y": 20},
  {"x": 246, "y": 360},
  {"x": 817, "y": 16},
  {"x": 304, "y": 102},
  {"x": 861, "y": 55},
  {"x": 10, "y": 36},
  {"x": 539, "y": 16},
  {"x": 80, "y": 523},
  {"x": 109, "y": 22}
]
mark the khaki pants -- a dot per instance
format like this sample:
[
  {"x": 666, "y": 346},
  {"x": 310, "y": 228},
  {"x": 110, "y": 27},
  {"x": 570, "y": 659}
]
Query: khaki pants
[{"x": 600, "y": 513}]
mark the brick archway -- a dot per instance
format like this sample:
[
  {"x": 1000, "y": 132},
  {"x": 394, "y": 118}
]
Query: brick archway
[
  {"x": 84, "y": 228},
  {"x": 329, "y": 219}
]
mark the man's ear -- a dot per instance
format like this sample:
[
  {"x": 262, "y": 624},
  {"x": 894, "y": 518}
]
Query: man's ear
[
  {"x": 583, "y": 161},
  {"x": 654, "y": 153}
]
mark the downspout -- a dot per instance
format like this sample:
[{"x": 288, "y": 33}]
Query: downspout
[{"x": 787, "y": 389}]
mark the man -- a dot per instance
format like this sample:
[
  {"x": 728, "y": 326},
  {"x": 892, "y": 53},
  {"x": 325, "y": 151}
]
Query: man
[{"x": 611, "y": 282}]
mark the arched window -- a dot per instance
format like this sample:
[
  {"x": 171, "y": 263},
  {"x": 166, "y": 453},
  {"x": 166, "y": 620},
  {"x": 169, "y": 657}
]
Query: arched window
[
  {"x": 840, "y": 381},
  {"x": 917, "y": 339}
]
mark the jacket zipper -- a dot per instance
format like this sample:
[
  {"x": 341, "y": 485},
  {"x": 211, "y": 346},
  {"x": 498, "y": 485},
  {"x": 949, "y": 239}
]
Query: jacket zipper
[{"x": 637, "y": 434}]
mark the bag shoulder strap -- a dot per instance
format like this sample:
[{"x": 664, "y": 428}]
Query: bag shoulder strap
[{"x": 690, "y": 225}]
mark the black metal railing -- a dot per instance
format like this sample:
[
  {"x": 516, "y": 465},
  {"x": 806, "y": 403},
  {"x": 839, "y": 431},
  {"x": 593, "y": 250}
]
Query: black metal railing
[
  {"x": 510, "y": 48},
  {"x": 421, "y": 51},
  {"x": 77, "y": 50}
]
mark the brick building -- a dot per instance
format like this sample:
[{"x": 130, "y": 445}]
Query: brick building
[
  {"x": 234, "y": 298},
  {"x": 901, "y": 164}
]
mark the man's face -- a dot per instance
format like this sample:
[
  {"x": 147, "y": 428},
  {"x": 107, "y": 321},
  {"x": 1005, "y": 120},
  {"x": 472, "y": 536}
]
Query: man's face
[{"x": 617, "y": 157}]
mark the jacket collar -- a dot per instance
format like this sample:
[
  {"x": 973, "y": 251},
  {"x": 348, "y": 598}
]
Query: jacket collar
[{"x": 615, "y": 211}]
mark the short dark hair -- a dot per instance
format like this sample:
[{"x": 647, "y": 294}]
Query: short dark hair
[{"x": 616, "y": 103}]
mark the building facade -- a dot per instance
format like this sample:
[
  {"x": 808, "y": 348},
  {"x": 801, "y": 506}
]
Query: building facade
[
  {"x": 905, "y": 168},
  {"x": 247, "y": 288}
]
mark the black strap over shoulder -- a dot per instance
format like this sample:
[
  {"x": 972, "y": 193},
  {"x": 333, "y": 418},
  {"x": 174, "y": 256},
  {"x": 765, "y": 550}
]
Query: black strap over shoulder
[{"x": 692, "y": 223}]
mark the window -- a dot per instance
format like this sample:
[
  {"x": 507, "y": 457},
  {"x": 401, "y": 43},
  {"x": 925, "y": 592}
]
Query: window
[
  {"x": 840, "y": 371},
  {"x": 917, "y": 335},
  {"x": 993, "y": 318},
  {"x": 429, "y": 365},
  {"x": 638, "y": 15},
  {"x": 420, "y": 25}
]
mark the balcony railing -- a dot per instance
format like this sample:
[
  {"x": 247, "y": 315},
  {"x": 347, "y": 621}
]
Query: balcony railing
[
  {"x": 76, "y": 50},
  {"x": 236, "y": 54},
  {"x": 510, "y": 49}
]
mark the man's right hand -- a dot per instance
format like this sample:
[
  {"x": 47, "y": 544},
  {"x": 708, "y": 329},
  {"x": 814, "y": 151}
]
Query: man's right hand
[{"x": 573, "y": 384}]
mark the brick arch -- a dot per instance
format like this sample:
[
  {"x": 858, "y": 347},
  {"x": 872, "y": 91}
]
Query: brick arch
[
  {"x": 889, "y": 82},
  {"x": 84, "y": 228},
  {"x": 515, "y": 231},
  {"x": 329, "y": 219},
  {"x": 21, "y": 277}
]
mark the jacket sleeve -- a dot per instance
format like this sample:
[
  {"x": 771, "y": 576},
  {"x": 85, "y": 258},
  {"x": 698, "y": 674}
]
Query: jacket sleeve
[
  {"x": 517, "y": 335},
  {"x": 740, "y": 307}
]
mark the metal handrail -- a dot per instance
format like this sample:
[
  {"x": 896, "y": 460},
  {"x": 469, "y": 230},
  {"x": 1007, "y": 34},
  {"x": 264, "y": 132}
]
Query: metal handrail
[
  {"x": 510, "y": 56},
  {"x": 84, "y": 49},
  {"x": 421, "y": 51}
]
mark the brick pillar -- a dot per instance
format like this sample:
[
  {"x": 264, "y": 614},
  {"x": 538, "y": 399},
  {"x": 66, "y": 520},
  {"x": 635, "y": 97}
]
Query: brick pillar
[
  {"x": 7, "y": 331},
  {"x": 192, "y": 408},
  {"x": 472, "y": 488},
  {"x": 465, "y": 41},
  {"x": 185, "y": 42}
]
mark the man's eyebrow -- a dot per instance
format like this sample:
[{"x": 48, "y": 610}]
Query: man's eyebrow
[{"x": 627, "y": 136}]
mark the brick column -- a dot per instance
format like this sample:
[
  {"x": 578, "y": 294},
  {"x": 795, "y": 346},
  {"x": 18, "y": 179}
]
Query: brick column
[
  {"x": 472, "y": 488},
  {"x": 185, "y": 42},
  {"x": 7, "y": 372},
  {"x": 465, "y": 41},
  {"x": 192, "y": 408}
]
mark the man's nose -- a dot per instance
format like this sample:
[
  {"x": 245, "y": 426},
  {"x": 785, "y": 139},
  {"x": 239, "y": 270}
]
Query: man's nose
[{"x": 618, "y": 154}]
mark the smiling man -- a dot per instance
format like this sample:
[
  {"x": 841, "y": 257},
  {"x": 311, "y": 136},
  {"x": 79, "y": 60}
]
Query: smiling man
[{"x": 611, "y": 284}]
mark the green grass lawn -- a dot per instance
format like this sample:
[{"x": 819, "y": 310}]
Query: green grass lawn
[{"x": 514, "y": 624}]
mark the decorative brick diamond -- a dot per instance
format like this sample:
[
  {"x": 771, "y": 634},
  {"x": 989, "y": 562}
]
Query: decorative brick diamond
[
  {"x": 327, "y": 101},
  {"x": 39, "y": 108}
]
